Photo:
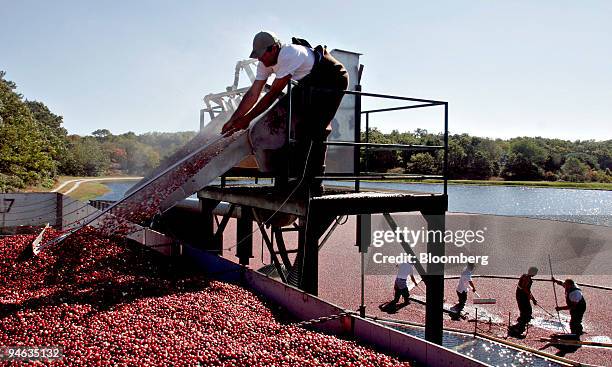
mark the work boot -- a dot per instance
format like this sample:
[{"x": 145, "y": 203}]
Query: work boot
[{"x": 517, "y": 330}]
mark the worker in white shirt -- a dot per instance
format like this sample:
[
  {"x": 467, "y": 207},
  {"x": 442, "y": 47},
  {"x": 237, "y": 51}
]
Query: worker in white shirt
[
  {"x": 575, "y": 303},
  {"x": 322, "y": 81},
  {"x": 462, "y": 286},
  {"x": 400, "y": 287}
]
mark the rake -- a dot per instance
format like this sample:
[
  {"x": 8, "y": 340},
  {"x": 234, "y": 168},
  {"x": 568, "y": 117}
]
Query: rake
[{"x": 483, "y": 301}]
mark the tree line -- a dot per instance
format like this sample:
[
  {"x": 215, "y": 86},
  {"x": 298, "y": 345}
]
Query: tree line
[
  {"x": 35, "y": 148},
  {"x": 472, "y": 157}
]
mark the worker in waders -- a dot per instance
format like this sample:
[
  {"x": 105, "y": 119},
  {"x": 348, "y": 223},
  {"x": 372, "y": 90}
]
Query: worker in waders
[
  {"x": 524, "y": 297},
  {"x": 400, "y": 287},
  {"x": 321, "y": 82},
  {"x": 575, "y": 303},
  {"x": 462, "y": 287}
]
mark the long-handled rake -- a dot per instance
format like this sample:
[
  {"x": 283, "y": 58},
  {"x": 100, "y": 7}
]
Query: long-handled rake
[
  {"x": 555, "y": 293},
  {"x": 483, "y": 301}
]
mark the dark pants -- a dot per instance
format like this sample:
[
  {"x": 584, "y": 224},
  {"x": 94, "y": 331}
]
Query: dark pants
[
  {"x": 525, "y": 310},
  {"x": 401, "y": 292},
  {"x": 576, "y": 314},
  {"x": 462, "y": 300},
  {"x": 314, "y": 102},
  {"x": 308, "y": 161}
]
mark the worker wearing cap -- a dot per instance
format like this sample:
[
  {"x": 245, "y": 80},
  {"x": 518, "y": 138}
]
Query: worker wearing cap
[
  {"x": 524, "y": 298},
  {"x": 321, "y": 82},
  {"x": 575, "y": 303},
  {"x": 462, "y": 286}
]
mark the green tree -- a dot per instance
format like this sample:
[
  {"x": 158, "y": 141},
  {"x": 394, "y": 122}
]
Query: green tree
[
  {"x": 574, "y": 170},
  {"x": 553, "y": 162},
  {"x": 423, "y": 163},
  {"x": 86, "y": 157},
  {"x": 493, "y": 151},
  {"x": 528, "y": 149},
  {"x": 101, "y": 134},
  {"x": 408, "y": 139},
  {"x": 588, "y": 159},
  {"x": 26, "y": 155},
  {"x": 45, "y": 117},
  {"x": 519, "y": 167},
  {"x": 51, "y": 127},
  {"x": 457, "y": 159},
  {"x": 481, "y": 166},
  {"x": 377, "y": 159}
]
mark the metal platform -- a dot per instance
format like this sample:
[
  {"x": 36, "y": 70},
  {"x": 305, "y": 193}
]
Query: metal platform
[
  {"x": 335, "y": 200},
  {"x": 317, "y": 217}
]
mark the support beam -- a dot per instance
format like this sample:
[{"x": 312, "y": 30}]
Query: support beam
[
  {"x": 393, "y": 225},
  {"x": 270, "y": 246},
  {"x": 435, "y": 278},
  {"x": 282, "y": 248},
  {"x": 207, "y": 238},
  {"x": 218, "y": 237},
  {"x": 364, "y": 239},
  {"x": 244, "y": 236},
  {"x": 314, "y": 227}
]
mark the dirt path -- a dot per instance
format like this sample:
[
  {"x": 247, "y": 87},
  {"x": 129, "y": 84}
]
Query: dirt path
[{"x": 77, "y": 182}]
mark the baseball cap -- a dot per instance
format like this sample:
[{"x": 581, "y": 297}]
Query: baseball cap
[{"x": 261, "y": 42}]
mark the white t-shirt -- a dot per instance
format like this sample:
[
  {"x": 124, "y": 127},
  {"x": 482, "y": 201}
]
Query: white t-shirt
[
  {"x": 405, "y": 270},
  {"x": 464, "y": 281},
  {"x": 575, "y": 296},
  {"x": 292, "y": 59}
]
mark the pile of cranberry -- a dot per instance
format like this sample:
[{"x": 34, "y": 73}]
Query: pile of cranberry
[{"x": 106, "y": 301}]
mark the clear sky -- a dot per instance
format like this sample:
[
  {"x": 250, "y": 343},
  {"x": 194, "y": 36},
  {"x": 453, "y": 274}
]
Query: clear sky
[{"x": 507, "y": 68}]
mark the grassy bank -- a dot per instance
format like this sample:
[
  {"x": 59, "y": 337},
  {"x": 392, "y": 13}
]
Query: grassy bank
[
  {"x": 89, "y": 190},
  {"x": 62, "y": 179}
]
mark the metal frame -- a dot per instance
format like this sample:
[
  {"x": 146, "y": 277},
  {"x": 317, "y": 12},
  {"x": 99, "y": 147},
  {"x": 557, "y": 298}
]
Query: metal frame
[
  {"x": 358, "y": 144},
  {"x": 318, "y": 215},
  {"x": 228, "y": 101}
]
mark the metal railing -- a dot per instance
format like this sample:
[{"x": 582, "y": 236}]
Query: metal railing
[{"x": 357, "y": 174}]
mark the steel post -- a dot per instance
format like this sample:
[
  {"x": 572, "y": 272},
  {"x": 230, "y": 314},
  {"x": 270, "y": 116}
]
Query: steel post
[
  {"x": 435, "y": 278},
  {"x": 244, "y": 237}
]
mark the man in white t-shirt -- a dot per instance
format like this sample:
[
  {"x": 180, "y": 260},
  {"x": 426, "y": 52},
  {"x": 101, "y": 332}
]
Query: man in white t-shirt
[
  {"x": 321, "y": 83},
  {"x": 400, "y": 287},
  {"x": 462, "y": 286}
]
